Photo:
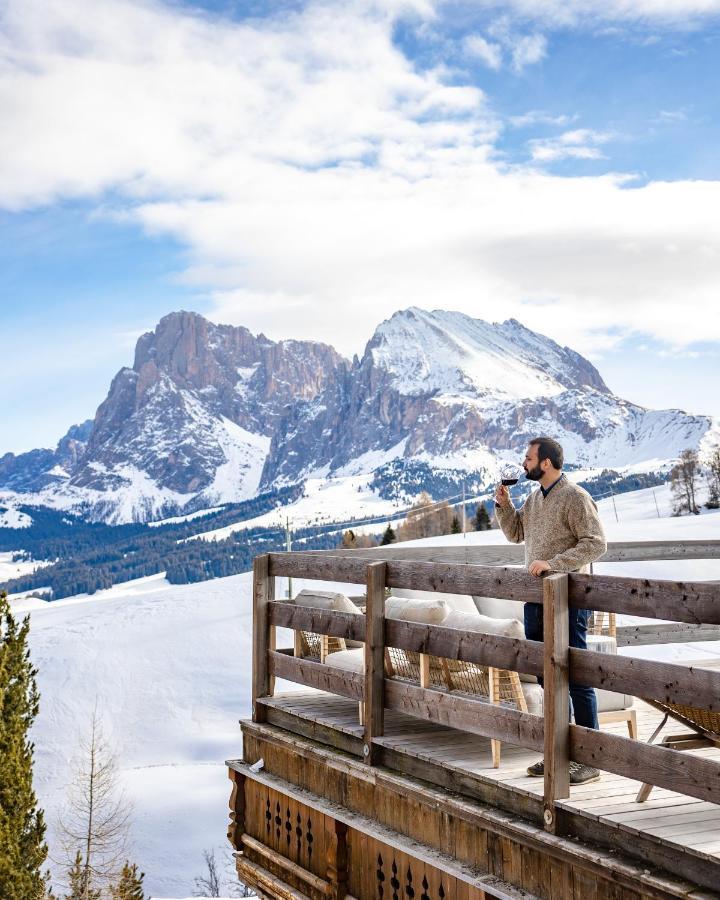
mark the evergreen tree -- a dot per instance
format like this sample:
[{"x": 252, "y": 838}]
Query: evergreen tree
[
  {"x": 80, "y": 888},
  {"x": 22, "y": 826},
  {"x": 389, "y": 536},
  {"x": 455, "y": 525},
  {"x": 129, "y": 885},
  {"x": 482, "y": 519}
]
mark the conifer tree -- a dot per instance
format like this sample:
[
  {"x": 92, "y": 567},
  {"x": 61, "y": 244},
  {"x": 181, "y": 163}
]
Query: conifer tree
[
  {"x": 129, "y": 885},
  {"x": 389, "y": 536},
  {"x": 78, "y": 876},
  {"x": 455, "y": 525},
  {"x": 22, "y": 826},
  {"x": 482, "y": 519}
]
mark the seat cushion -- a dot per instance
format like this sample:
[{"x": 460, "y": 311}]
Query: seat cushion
[
  {"x": 484, "y": 624},
  {"x": 609, "y": 701},
  {"x": 331, "y": 600},
  {"x": 460, "y": 602},
  {"x": 424, "y": 612},
  {"x": 349, "y": 660},
  {"x": 533, "y": 694}
]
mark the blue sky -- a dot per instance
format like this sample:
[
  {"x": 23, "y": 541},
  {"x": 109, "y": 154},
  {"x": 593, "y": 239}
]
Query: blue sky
[{"x": 307, "y": 173}]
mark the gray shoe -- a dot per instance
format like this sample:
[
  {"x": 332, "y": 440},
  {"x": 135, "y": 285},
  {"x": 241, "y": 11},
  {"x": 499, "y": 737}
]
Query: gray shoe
[{"x": 580, "y": 774}]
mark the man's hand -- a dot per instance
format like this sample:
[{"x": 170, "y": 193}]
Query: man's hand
[
  {"x": 502, "y": 496},
  {"x": 538, "y": 567}
]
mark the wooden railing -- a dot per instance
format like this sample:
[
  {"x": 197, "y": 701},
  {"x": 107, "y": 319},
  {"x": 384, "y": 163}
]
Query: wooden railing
[{"x": 696, "y": 603}]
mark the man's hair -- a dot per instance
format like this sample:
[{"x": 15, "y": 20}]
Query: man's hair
[{"x": 548, "y": 448}]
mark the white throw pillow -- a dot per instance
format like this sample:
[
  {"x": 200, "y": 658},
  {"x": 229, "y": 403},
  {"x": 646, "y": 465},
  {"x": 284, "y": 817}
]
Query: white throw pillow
[
  {"x": 460, "y": 602},
  {"x": 424, "y": 612},
  {"x": 499, "y": 608},
  {"x": 512, "y": 628},
  {"x": 349, "y": 660},
  {"x": 326, "y": 600}
]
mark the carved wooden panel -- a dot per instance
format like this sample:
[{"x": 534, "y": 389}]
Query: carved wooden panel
[
  {"x": 290, "y": 828},
  {"x": 377, "y": 870}
]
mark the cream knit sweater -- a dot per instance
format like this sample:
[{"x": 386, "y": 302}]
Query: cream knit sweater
[{"x": 563, "y": 528}]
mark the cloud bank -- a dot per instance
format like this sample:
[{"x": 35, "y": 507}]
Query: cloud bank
[{"x": 320, "y": 179}]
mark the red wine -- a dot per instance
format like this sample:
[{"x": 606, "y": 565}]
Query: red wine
[{"x": 509, "y": 482}]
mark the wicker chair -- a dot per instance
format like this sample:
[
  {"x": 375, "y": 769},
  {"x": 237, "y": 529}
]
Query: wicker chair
[
  {"x": 705, "y": 732},
  {"x": 499, "y": 686}
]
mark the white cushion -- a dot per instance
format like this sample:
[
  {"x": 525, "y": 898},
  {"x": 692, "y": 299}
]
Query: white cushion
[
  {"x": 484, "y": 624},
  {"x": 349, "y": 660},
  {"x": 533, "y": 697},
  {"x": 460, "y": 602},
  {"x": 326, "y": 600},
  {"x": 609, "y": 701},
  {"x": 499, "y": 608},
  {"x": 424, "y": 612}
]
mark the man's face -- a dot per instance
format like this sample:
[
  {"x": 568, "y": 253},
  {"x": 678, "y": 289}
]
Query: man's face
[{"x": 531, "y": 464}]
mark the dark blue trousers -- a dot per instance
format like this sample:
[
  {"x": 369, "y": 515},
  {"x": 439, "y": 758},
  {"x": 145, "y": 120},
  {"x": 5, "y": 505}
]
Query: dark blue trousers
[{"x": 582, "y": 699}]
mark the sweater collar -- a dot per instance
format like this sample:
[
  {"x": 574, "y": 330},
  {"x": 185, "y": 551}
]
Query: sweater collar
[{"x": 546, "y": 491}]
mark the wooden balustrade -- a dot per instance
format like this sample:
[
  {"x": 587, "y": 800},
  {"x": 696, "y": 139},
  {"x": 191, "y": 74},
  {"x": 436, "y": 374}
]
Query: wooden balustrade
[{"x": 697, "y": 603}]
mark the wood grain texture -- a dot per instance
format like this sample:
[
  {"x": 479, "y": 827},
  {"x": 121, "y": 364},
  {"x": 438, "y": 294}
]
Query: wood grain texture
[
  {"x": 263, "y": 632},
  {"x": 374, "y": 658},
  {"x": 317, "y": 675},
  {"x": 514, "y": 554},
  {"x": 556, "y": 695},
  {"x": 672, "y": 769},
  {"x": 319, "y": 621},
  {"x": 465, "y": 713},
  {"x": 677, "y": 601},
  {"x": 671, "y": 633},
  {"x": 666, "y": 682}
]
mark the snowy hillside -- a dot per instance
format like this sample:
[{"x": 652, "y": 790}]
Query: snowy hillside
[{"x": 169, "y": 669}]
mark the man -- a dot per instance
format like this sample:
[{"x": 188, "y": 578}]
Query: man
[{"x": 562, "y": 533}]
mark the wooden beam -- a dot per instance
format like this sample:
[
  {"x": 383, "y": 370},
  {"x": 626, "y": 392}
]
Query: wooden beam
[
  {"x": 317, "y": 675},
  {"x": 465, "y": 713},
  {"x": 282, "y": 862},
  {"x": 670, "y": 633},
  {"x": 514, "y": 554},
  {"x": 452, "y": 643},
  {"x": 374, "y": 659},
  {"x": 512, "y": 584},
  {"x": 665, "y": 682},
  {"x": 676, "y": 601},
  {"x": 654, "y": 764},
  {"x": 263, "y": 633},
  {"x": 319, "y": 621},
  {"x": 556, "y": 703}
]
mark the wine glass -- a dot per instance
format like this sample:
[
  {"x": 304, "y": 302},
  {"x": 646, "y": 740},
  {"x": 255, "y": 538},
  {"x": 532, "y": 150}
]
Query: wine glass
[{"x": 510, "y": 474}]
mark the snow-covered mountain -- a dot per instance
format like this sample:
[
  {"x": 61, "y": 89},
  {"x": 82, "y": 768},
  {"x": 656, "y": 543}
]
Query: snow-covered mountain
[{"x": 210, "y": 414}]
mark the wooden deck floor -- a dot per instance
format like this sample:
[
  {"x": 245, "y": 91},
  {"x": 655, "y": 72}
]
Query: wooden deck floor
[{"x": 677, "y": 823}]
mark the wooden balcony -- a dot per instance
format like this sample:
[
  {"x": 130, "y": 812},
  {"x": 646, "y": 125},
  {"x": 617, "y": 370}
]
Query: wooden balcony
[{"x": 409, "y": 804}]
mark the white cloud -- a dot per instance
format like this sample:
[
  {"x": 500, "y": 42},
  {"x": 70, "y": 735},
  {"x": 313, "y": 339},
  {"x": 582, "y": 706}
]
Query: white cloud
[
  {"x": 583, "y": 13},
  {"x": 320, "y": 181},
  {"x": 539, "y": 117},
  {"x": 491, "y": 54},
  {"x": 528, "y": 50},
  {"x": 581, "y": 143}
]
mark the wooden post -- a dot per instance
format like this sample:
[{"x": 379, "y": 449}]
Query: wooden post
[
  {"x": 263, "y": 634},
  {"x": 556, "y": 632},
  {"x": 374, "y": 659}
]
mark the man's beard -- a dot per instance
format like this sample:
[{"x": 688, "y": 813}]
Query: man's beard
[{"x": 534, "y": 474}]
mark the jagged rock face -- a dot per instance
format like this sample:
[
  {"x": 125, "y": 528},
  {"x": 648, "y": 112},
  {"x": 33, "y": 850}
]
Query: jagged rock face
[{"x": 212, "y": 413}]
